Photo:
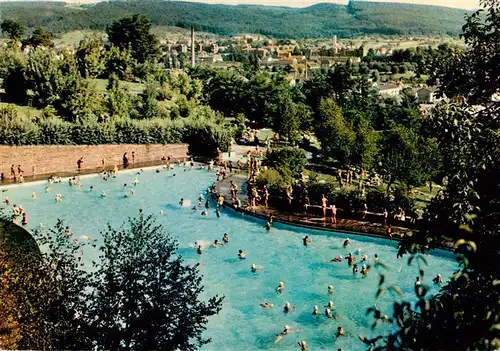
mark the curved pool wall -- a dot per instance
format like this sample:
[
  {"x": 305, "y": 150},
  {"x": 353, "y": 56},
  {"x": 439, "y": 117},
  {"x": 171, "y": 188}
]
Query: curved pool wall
[{"x": 306, "y": 271}]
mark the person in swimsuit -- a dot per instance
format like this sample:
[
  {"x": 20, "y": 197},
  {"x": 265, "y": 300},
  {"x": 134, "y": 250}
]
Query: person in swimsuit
[
  {"x": 306, "y": 240},
  {"x": 324, "y": 202}
]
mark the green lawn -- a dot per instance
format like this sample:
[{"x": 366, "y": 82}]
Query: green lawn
[
  {"x": 134, "y": 88},
  {"x": 73, "y": 38}
]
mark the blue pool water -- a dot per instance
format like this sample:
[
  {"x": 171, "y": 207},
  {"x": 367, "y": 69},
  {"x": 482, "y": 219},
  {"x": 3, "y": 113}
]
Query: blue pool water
[{"x": 242, "y": 324}]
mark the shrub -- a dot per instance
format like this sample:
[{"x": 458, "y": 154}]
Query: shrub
[
  {"x": 273, "y": 179},
  {"x": 54, "y": 130},
  {"x": 349, "y": 199},
  {"x": 377, "y": 199},
  {"x": 205, "y": 139},
  {"x": 16, "y": 129},
  {"x": 316, "y": 189},
  {"x": 288, "y": 160},
  {"x": 402, "y": 199}
]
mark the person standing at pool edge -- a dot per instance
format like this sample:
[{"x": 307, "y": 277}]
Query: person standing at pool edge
[
  {"x": 79, "y": 163},
  {"x": 125, "y": 161}
]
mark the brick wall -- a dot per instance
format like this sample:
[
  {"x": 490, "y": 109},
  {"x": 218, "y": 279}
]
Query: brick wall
[{"x": 54, "y": 159}]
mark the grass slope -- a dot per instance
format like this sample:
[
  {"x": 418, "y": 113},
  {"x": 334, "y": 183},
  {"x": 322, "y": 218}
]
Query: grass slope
[{"x": 321, "y": 20}]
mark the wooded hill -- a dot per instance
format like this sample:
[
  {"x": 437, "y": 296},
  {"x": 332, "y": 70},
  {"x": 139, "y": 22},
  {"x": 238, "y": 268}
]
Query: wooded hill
[{"x": 321, "y": 20}]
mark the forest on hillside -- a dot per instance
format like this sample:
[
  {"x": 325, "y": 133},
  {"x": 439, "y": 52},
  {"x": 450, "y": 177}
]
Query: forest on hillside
[{"x": 321, "y": 20}]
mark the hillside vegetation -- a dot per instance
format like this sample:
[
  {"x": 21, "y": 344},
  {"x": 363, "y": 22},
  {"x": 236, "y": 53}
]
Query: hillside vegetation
[{"x": 320, "y": 20}]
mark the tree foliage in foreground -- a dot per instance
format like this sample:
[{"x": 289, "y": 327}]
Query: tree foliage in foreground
[
  {"x": 465, "y": 314},
  {"x": 140, "y": 295}
]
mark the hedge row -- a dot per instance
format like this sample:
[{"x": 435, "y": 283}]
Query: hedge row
[{"x": 204, "y": 136}]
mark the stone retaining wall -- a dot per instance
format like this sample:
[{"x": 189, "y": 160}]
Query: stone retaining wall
[{"x": 54, "y": 159}]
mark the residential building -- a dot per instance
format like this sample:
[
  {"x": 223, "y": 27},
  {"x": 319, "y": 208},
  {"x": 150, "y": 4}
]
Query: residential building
[{"x": 390, "y": 89}]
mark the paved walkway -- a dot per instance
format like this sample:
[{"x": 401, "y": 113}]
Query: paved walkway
[{"x": 300, "y": 219}]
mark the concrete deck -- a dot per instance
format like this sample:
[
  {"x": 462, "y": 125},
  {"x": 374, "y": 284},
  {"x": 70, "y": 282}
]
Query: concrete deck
[{"x": 302, "y": 219}]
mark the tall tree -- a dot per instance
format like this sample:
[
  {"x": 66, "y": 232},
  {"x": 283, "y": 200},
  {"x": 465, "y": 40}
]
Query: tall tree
[
  {"x": 90, "y": 57},
  {"x": 118, "y": 101},
  {"x": 139, "y": 296},
  {"x": 134, "y": 33},
  {"x": 40, "y": 37},
  {"x": 148, "y": 299},
  {"x": 335, "y": 134},
  {"x": 404, "y": 156},
  {"x": 44, "y": 294},
  {"x": 14, "y": 29}
]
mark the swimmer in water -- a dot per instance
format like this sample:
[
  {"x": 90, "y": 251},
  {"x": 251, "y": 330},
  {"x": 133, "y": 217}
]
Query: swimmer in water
[
  {"x": 328, "y": 313},
  {"x": 181, "y": 203},
  {"x": 288, "y": 307},
  {"x": 198, "y": 265},
  {"x": 241, "y": 255},
  {"x": 331, "y": 289},
  {"x": 355, "y": 269},
  {"x": 306, "y": 240},
  {"x": 281, "y": 335},
  {"x": 337, "y": 259},
  {"x": 254, "y": 268},
  {"x": 103, "y": 193},
  {"x": 340, "y": 331},
  {"x": 67, "y": 231},
  {"x": 358, "y": 250},
  {"x": 364, "y": 257},
  {"x": 135, "y": 181},
  {"x": 204, "y": 213},
  {"x": 376, "y": 258},
  {"x": 267, "y": 305},
  {"x": 350, "y": 259},
  {"x": 91, "y": 188},
  {"x": 438, "y": 279},
  {"x": 217, "y": 212},
  {"x": 347, "y": 242},
  {"x": 330, "y": 304},
  {"x": 199, "y": 250},
  {"x": 132, "y": 192},
  {"x": 280, "y": 288},
  {"x": 217, "y": 243},
  {"x": 418, "y": 282},
  {"x": 33, "y": 195},
  {"x": 316, "y": 311},
  {"x": 364, "y": 270},
  {"x": 268, "y": 226},
  {"x": 225, "y": 238},
  {"x": 303, "y": 345}
]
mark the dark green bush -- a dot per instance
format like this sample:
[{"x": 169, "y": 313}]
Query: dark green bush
[
  {"x": 349, "y": 199},
  {"x": 288, "y": 161},
  {"x": 403, "y": 200},
  {"x": 205, "y": 139},
  {"x": 273, "y": 179},
  {"x": 377, "y": 199}
]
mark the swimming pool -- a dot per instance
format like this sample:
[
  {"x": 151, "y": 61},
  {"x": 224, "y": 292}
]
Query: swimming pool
[{"x": 242, "y": 324}]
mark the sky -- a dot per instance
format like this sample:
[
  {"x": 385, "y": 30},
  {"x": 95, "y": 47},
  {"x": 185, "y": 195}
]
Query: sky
[{"x": 462, "y": 4}]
